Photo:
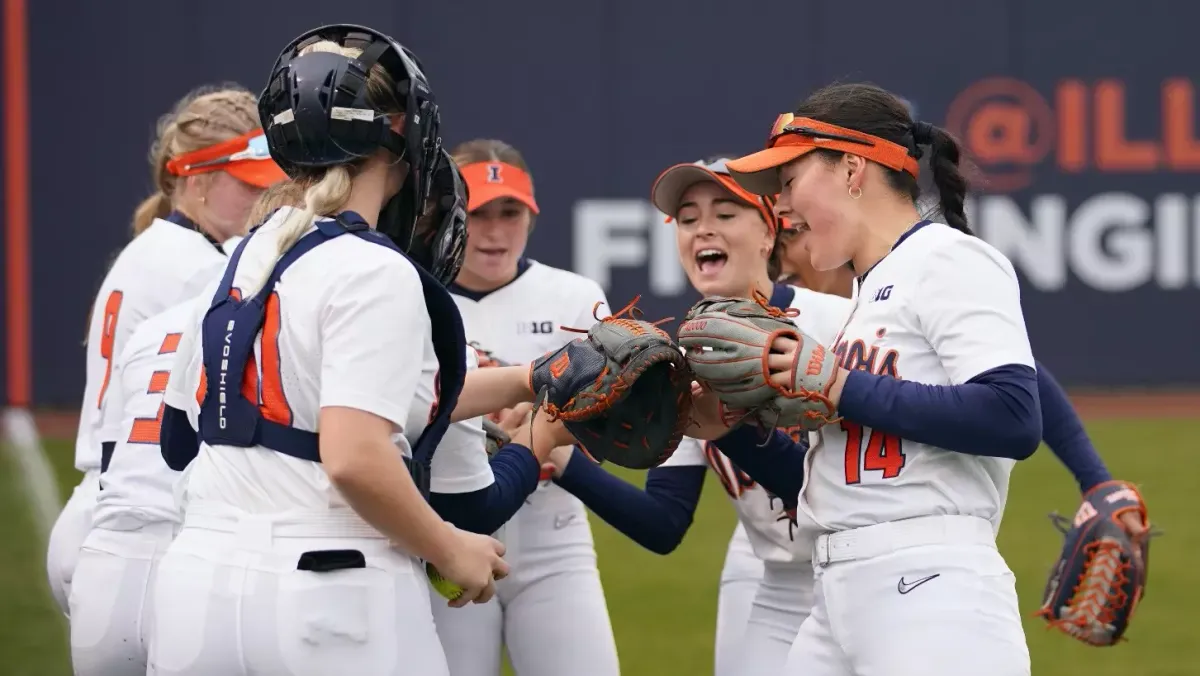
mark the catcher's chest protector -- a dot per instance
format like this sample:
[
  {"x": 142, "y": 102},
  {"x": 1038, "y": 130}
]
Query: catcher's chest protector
[{"x": 233, "y": 412}]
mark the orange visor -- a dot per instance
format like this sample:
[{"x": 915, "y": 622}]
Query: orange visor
[
  {"x": 246, "y": 158},
  {"x": 490, "y": 181},
  {"x": 793, "y": 137},
  {"x": 669, "y": 187}
]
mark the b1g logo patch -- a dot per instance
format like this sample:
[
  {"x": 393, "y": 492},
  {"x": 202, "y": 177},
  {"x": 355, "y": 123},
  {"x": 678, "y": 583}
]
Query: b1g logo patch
[{"x": 534, "y": 327}]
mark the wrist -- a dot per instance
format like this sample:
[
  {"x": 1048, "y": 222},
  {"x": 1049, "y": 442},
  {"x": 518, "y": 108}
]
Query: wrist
[
  {"x": 562, "y": 457},
  {"x": 526, "y": 386},
  {"x": 839, "y": 384},
  {"x": 444, "y": 546},
  {"x": 544, "y": 437}
]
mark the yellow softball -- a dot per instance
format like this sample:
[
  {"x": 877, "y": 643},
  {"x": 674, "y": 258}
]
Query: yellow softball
[{"x": 446, "y": 588}]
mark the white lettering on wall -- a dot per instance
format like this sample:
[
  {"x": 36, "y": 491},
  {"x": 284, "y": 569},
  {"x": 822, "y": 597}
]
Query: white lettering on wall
[{"x": 1110, "y": 242}]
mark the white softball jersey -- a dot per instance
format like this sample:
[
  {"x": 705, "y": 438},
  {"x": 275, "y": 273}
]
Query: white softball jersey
[
  {"x": 940, "y": 309},
  {"x": 349, "y": 318},
  {"x": 138, "y": 487},
  {"x": 166, "y": 264}
]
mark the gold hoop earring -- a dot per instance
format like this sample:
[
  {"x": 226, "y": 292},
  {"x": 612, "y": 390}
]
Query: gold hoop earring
[{"x": 855, "y": 195}]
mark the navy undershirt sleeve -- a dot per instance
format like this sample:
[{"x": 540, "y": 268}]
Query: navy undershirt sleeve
[
  {"x": 1063, "y": 432},
  {"x": 997, "y": 413},
  {"x": 656, "y": 517},
  {"x": 177, "y": 441},
  {"x": 776, "y": 462},
  {"x": 516, "y": 472}
]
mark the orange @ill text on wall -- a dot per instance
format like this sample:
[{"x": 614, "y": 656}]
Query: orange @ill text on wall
[{"x": 1004, "y": 121}]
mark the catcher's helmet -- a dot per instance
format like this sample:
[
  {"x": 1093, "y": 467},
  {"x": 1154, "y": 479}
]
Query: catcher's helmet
[
  {"x": 315, "y": 113},
  {"x": 440, "y": 241}
]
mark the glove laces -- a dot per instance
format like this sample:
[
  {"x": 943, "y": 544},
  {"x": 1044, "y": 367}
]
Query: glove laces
[{"x": 628, "y": 317}]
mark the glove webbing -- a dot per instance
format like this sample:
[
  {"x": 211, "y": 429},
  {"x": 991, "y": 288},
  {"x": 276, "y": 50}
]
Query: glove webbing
[{"x": 1099, "y": 592}]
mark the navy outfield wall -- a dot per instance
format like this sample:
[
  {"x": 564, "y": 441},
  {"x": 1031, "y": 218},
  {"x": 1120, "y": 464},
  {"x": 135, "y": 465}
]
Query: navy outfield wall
[{"x": 1090, "y": 158}]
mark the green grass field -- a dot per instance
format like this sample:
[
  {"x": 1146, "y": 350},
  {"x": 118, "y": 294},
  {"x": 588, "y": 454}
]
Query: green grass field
[{"x": 663, "y": 608}]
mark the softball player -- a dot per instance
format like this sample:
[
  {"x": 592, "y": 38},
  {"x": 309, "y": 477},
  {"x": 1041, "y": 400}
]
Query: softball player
[
  {"x": 514, "y": 308},
  {"x": 726, "y": 239},
  {"x": 300, "y": 553},
  {"x": 136, "y": 513},
  {"x": 758, "y": 614},
  {"x": 934, "y": 356},
  {"x": 208, "y": 163}
]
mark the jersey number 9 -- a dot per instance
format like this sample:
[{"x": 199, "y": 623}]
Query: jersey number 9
[{"x": 108, "y": 336}]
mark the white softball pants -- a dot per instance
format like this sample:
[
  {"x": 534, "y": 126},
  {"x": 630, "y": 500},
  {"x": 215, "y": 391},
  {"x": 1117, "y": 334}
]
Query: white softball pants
[
  {"x": 66, "y": 537},
  {"x": 550, "y": 612},
  {"x": 230, "y": 600},
  {"x": 112, "y": 599},
  {"x": 740, "y": 578},
  {"x": 782, "y": 603},
  {"x": 929, "y": 596}
]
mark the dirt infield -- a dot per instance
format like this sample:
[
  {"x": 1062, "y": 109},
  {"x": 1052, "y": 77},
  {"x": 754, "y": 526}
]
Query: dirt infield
[{"x": 62, "y": 424}]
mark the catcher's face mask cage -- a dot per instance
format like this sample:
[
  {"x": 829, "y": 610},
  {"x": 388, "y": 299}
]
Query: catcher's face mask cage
[
  {"x": 315, "y": 113},
  {"x": 440, "y": 242}
]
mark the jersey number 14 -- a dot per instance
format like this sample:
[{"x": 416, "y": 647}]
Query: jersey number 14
[{"x": 883, "y": 453}]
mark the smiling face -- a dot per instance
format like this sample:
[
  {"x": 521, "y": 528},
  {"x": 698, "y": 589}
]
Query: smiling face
[
  {"x": 816, "y": 201},
  {"x": 723, "y": 243}
]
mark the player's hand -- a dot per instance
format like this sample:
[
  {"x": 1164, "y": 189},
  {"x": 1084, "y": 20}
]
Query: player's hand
[
  {"x": 1137, "y": 529},
  {"x": 783, "y": 357},
  {"x": 709, "y": 419},
  {"x": 512, "y": 419},
  {"x": 554, "y": 429},
  {"x": 1132, "y": 521},
  {"x": 473, "y": 562}
]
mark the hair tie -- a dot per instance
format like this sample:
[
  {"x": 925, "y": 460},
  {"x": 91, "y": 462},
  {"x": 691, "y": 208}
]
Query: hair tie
[{"x": 922, "y": 133}]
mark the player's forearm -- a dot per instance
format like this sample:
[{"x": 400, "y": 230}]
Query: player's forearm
[
  {"x": 378, "y": 486},
  {"x": 996, "y": 414},
  {"x": 1063, "y": 432},
  {"x": 516, "y": 471},
  {"x": 492, "y": 389},
  {"x": 656, "y": 518},
  {"x": 775, "y": 461}
]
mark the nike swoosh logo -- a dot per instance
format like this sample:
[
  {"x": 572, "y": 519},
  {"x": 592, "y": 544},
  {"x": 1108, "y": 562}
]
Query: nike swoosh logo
[
  {"x": 905, "y": 587},
  {"x": 563, "y": 520}
]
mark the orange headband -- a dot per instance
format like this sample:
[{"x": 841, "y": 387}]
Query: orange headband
[
  {"x": 246, "y": 158},
  {"x": 793, "y": 137},
  {"x": 490, "y": 181}
]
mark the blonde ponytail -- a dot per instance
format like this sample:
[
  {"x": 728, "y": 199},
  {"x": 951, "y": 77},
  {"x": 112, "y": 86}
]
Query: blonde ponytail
[
  {"x": 325, "y": 197},
  {"x": 282, "y": 194},
  {"x": 155, "y": 206}
]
